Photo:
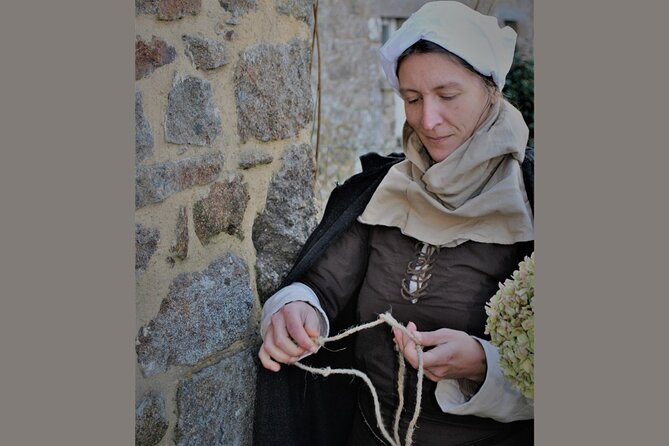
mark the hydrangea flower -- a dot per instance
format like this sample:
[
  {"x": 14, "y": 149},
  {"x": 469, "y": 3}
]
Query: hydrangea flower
[{"x": 510, "y": 325}]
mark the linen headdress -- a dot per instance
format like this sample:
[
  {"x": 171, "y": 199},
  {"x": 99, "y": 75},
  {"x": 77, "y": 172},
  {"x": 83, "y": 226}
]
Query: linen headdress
[{"x": 475, "y": 37}]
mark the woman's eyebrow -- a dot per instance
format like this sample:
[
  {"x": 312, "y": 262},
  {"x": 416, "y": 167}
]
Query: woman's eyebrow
[{"x": 452, "y": 84}]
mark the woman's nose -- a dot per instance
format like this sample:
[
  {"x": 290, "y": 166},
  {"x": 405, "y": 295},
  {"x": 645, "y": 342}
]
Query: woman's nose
[{"x": 431, "y": 117}]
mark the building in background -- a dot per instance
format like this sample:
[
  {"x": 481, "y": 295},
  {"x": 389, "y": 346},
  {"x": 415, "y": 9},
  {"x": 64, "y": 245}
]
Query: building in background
[{"x": 360, "y": 112}]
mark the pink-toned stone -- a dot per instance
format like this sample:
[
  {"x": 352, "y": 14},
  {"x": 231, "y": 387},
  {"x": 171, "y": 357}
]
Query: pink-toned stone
[
  {"x": 151, "y": 55},
  {"x": 222, "y": 210},
  {"x": 177, "y": 9}
]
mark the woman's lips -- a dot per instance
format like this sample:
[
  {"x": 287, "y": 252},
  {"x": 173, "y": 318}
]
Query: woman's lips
[{"x": 437, "y": 139}]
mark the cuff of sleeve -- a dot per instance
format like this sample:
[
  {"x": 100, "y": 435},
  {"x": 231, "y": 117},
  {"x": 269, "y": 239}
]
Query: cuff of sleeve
[
  {"x": 496, "y": 398},
  {"x": 296, "y": 291}
]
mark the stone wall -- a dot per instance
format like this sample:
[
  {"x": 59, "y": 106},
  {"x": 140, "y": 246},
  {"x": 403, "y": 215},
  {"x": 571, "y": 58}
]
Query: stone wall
[{"x": 224, "y": 199}]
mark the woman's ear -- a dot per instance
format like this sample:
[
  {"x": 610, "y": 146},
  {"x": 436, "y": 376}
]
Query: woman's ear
[{"x": 494, "y": 96}]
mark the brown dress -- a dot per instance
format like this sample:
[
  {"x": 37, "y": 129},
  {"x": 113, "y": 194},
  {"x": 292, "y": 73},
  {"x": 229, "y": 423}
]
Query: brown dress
[{"x": 369, "y": 263}]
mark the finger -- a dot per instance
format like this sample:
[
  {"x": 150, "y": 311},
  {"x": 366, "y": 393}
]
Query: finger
[
  {"x": 402, "y": 340},
  {"x": 295, "y": 325},
  {"x": 409, "y": 332},
  {"x": 312, "y": 326},
  {"x": 401, "y": 334},
  {"x": 431, "y": 376},
  {"x": 267, "y": 361},
  {"x": 440, "y": 372},
  {"x": 441, "y": 336},
  {"x": 281, "y": 339},
  {"x": 275, "y": 351},
  {"x": 410, "y": 352}
]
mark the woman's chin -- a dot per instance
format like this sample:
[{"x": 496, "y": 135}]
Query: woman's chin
[{"x": 439, "y": 153}]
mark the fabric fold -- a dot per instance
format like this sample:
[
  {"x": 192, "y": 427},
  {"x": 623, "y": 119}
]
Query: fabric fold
[{"x": 477, "y": 193}]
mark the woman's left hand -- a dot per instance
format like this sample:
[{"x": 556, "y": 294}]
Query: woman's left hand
[{"x": 455, "y": 354}]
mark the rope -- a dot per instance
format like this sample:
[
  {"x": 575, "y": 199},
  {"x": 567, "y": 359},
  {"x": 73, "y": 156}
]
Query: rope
[
  {"x": 316, "y": 42},
  {"x": 401, "y": 373}
]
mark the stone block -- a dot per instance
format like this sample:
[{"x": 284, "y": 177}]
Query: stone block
[
  {"x": 216, "y": 404},
  {"x": 192, "y": 116},
  {"x": 143, "y": 132},
  {"x": 222, "y": 210},
  {"x": 146, "y": 243},
  {"x": 151, "y": 55},
  {"x": 300, "y": 9},
  {"x": 238, "y": 7},
  {"x": 179, "y": 246},
  {"x": 289, "y": 217},
  {"x": 254, "y": 157},
  {"x": 206, "y": 54},
  {"x": 203, "y": 314},
  {"x": 150, "y": 420},
  {"x": 273, "y": 91},
  {"x": 177, "y": 9},
  {"x": 146, "y": 6},
  {"x": 155, "y": 182}
]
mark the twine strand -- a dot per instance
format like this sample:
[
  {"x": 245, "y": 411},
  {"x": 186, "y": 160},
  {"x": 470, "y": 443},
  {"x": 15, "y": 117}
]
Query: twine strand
[
  {"x": 401, "y": 373},
  {"x": 419, "y": 397}
]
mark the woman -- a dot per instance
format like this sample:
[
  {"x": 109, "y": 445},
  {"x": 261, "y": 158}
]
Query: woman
[{"x": 443, "y": 228}]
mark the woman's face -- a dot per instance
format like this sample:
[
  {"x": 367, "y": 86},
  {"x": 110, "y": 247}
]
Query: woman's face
[{"x": 444, "y": 102}]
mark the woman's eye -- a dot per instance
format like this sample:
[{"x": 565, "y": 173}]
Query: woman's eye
[
  {"x": 411, "y": 100},
  {"x": 449, "y": 97}
]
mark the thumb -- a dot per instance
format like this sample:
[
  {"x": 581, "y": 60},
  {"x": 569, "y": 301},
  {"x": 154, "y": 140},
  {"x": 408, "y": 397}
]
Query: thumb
[{"x": 312, "y": 324}]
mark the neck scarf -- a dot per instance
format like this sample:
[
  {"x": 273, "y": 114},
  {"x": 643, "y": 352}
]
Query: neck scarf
[{"x": 477, "y": 193}]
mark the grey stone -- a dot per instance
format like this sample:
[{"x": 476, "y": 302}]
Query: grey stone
[
  {"x": 203, "y": 314},
  {"x": 216, "y": 405},
  {"x": 273, "y": 91},
  {"x": 300, "y": 9},
  {"x": 233, "y": 21},
  {"x": 156, "y": 182},
  {"x": 222, "y": 210},
  {"x": 238, "y": 7},
  {"x": 288, "y": 219},
  {"x": 179, "y": 247},
  {"x": 143, "y": 133},
  {"x": 206, "y": 54},
  {"x": 192, "y": 116},
  {"x": 151, "y": 55},
  {"x": 150, "y": 420},
  {"x": 146, "y": 243},
  {"x": 254, "y": 157},
  {"x": 146, "y": 6}
]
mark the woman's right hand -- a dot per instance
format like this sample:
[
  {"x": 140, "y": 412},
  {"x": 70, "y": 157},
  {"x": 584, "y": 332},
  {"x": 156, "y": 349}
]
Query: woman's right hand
[{"x": 289, "y": 335}]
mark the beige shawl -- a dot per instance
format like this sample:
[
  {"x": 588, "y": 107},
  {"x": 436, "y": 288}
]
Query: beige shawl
[{"x": 477, "y": 193}]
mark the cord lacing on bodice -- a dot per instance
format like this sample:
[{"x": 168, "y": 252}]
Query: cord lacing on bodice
[{"x": 417, "y": 275}]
